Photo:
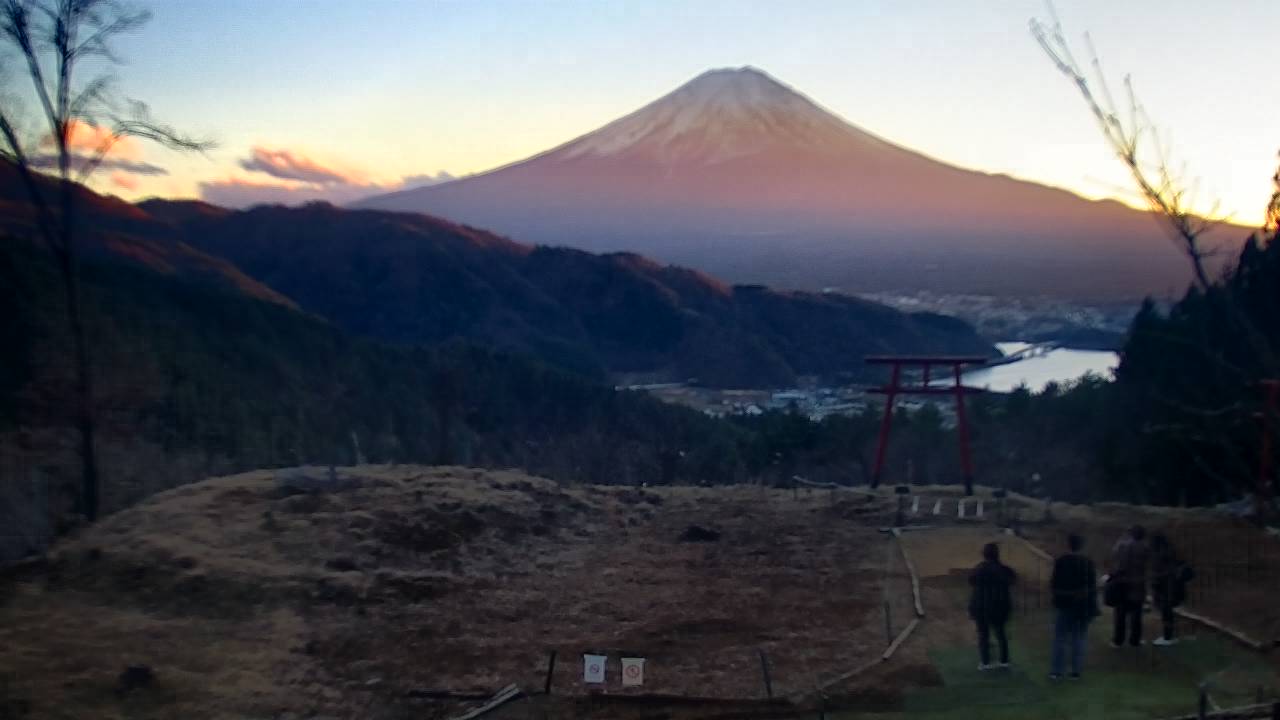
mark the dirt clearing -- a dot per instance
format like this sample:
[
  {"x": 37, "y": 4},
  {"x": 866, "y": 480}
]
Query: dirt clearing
[{"x": 258, "y": 596}]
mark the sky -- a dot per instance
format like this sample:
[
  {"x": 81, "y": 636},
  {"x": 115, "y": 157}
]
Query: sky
[{"x": 338, "y": 100}]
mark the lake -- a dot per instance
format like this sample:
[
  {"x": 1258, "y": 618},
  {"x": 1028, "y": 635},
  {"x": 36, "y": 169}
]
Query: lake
[{"x": 1058, "y": 366}]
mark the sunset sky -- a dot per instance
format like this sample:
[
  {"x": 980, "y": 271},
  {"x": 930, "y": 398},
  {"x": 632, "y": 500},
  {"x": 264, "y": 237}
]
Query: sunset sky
[{"x": 345, "y": 99}]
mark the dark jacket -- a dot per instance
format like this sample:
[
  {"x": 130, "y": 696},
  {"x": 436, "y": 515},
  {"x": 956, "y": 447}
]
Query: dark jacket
[
  {"x": 1075, "y": 586},
  {"x": 1167, "y": 585},
  {"x": 991, "y": 600},
  {"x": 1129, "y": 568}
]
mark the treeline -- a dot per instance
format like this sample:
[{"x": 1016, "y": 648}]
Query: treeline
[
  {"x": 1184, "y": 421},
  {"x": 193, "y": 381},
  {"x": 1191, "y": 392}
]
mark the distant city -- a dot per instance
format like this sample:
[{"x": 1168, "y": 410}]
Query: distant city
[
  {"x": 1072, "y": 324},
  {"x": 815, "y": 402}
]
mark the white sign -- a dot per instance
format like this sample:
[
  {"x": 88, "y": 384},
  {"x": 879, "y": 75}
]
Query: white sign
[
  {"x": 593, "y": 668},
  {"x": 632, "y": 672}
]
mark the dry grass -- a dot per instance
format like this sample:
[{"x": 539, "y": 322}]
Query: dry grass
[{"x": 250, "y": 602}]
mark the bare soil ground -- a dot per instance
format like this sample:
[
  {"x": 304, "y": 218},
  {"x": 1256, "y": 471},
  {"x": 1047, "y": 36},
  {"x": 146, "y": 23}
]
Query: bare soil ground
[{"x": 249, "y": 600}]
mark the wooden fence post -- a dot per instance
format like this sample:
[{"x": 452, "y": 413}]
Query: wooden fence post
[
  {"x": 551, "y": 669},
  {"x": 764, "y": 670}
]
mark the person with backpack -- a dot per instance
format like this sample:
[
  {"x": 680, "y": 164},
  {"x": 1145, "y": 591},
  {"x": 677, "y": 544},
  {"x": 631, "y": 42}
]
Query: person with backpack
[
  {"x": 991, "y": 604},
  {"x": 1169, "y": 577},
  {"x": 1074, "y": 585},
  {"x": 1126, "y": 589}
]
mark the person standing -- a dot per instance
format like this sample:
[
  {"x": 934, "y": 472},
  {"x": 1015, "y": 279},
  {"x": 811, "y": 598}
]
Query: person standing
[
  {"x": 1074, "y": 585},
  {"x": 1127, "y": 589},
  {"x": 1168, "y": 584},
  {"x": 991, "y": 604}
]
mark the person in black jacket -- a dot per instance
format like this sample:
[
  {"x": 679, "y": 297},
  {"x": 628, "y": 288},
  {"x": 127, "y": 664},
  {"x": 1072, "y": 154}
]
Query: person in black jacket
[
  {"x": 991, "y": 604},
  {"x": 1075, "y": 599},
  {"x": 1128, "y": 585}
]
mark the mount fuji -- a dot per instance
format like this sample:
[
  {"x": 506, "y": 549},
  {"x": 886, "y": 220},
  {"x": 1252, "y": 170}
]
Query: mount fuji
[{"x": 737, "y": 174}]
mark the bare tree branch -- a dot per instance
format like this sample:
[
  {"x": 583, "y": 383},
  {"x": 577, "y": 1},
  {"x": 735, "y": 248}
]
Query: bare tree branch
[{"x": 1161, "y": 189}]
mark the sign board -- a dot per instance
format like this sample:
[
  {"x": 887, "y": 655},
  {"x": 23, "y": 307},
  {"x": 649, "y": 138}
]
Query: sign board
[
  {"x": 632, "y": 672},
  {"x": 593, "y": 668}
]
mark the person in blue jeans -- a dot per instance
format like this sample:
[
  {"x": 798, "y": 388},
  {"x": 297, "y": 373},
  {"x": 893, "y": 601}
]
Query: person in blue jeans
[{"x": 1075, "y": 600}]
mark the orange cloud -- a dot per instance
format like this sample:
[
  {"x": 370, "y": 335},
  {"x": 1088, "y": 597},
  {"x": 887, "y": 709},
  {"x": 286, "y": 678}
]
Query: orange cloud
[
  {"x": 85, "y": 142},
  {"x": 88, "y": 139},
  {"x": 291, "y": 165},
  {"x": 124, "y": 180},
  {"x": 296, "y": 177}
]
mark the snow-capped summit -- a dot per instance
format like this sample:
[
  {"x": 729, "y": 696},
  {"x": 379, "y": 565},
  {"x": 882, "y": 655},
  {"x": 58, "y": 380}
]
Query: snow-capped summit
[
  {"x": 738, "y": 174},
  {"x": 718, "y": 115}
]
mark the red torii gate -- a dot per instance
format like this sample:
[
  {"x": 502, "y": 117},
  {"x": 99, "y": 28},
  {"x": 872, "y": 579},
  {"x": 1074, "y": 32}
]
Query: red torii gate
[{"x": 896, "y": 388}]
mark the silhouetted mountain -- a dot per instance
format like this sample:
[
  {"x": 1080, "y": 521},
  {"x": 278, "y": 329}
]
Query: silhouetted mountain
[
  {"x": 413, "y": 278},
  {"x": 740, "y": 175},
  {"x": 110, "y": 227}
]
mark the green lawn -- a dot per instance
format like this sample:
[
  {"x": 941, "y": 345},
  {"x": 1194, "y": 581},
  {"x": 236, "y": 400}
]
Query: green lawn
[{"x": 1122, "y": 684}]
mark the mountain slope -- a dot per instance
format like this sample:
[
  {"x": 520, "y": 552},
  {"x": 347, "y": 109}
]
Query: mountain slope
[
  {"x": 112, "y": 228},
  {"x": 191, "y": 380},
  {"x": 739, "y": 174},
  {"x": 413, "y": 278}
]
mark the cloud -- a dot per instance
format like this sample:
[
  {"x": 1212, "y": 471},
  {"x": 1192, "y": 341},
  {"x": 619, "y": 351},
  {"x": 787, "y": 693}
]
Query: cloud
[
  {"x": 297, "y": 178},
  {"x": 88, "y": 140},
  {"x": 289, "y": 165},
  {"x": 80, "y": 161},
  {"x": 241, "y": 192},
  {"x": 414, "y": 181},
  {"x": 87, "y": 144},
  {"x": 124, "y": 181}
]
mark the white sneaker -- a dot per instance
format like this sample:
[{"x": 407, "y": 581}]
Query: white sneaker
[
  {"x": 1003, "y": 666},
  {"x": 1162, "y": 641},
  {"x": 983, "y": 667}
]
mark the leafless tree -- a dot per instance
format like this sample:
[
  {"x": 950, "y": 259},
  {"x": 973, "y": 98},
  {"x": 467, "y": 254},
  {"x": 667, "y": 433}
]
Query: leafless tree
[
  {"x": 1133, "y": 138},
  {"x": 46, "y": 41},
  {"x": 1130, "y": 134}
]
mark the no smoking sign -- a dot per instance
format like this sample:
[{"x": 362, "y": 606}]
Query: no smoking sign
[
  {"x": 593, "y": 669},
  {"x": 632, "y": 672}
]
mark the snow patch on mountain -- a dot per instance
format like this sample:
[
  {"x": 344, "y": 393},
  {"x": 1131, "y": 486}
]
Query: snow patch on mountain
[{"x": 717, "y": 116}]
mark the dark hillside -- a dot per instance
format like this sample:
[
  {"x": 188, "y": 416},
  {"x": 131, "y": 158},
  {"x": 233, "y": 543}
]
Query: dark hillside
[
  {"x": 114, "y": 229},
  {"x": 193, "y": 380},
  {"x": 413, "y": 278}
]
